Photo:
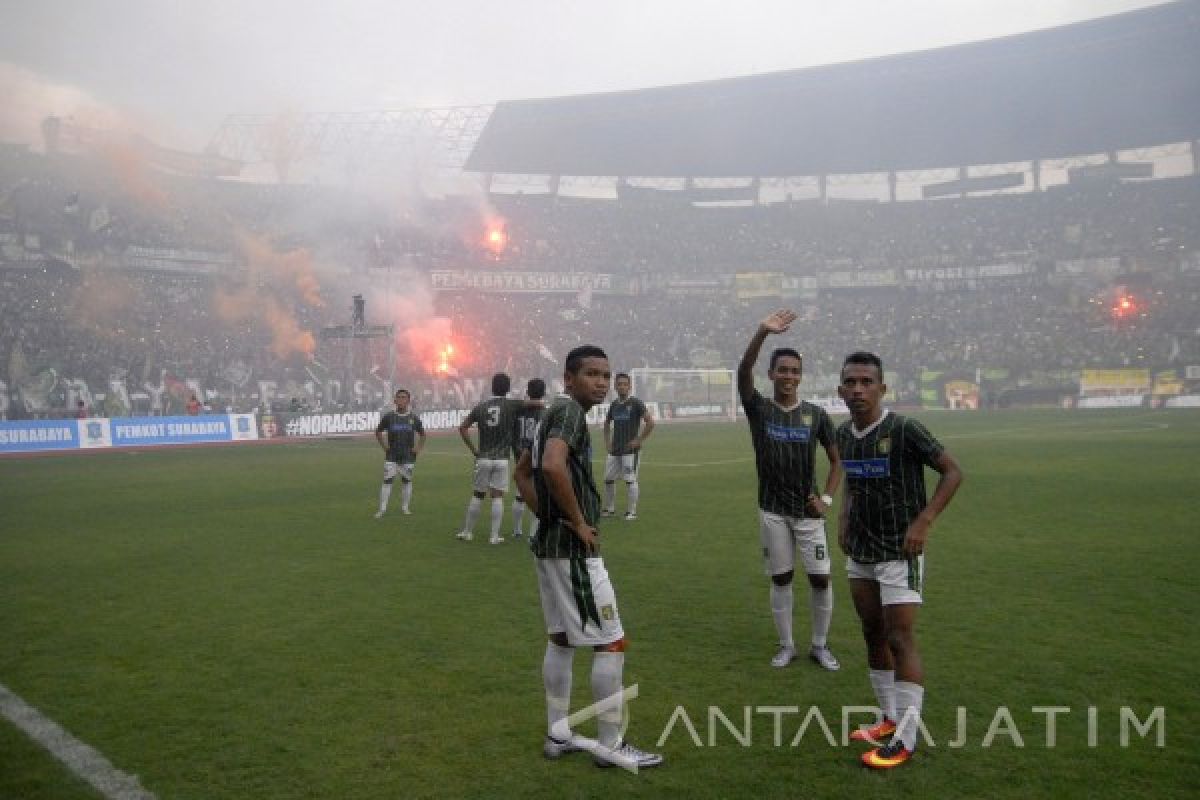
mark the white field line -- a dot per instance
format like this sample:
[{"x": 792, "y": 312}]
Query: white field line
[{"x": 82, "y": 759}]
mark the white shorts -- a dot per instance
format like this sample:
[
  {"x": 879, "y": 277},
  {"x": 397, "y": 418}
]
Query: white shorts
[
  {"x": 391, "y": 469},
  {"x": 491, "y": 473},
  {"x": 782, "y": 536},
  {"x": 900, "y": 582},
  {"x": 582, "y": 605},
  {"x": 623, "y": 467}
]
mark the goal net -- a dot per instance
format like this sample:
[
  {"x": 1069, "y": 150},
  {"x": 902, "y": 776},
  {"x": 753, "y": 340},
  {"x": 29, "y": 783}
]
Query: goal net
[{"x": 687, "y": 393}]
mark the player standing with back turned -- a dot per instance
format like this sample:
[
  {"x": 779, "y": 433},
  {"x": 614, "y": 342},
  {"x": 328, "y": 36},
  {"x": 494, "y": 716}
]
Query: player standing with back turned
[
  {"x": 526, "y": 422},
  {"x": 494, "y": 417}
]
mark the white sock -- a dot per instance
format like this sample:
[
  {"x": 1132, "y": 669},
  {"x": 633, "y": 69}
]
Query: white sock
[
  {"x": 497, "y": 515},
  {"x": 406, "y": 495},
  {"x": 781, "y": 609},
  {"x": 822, "y": 614},
  {"x": 607, "y": 669},
  {"x": 556, "y": 676},
  {"x": 909, "y": 697},
  {"x": 634, "y": 491},
  {"x": 385, "y": 492},
  {"x": 883, "y": 681},
  {"x": 472, "y": 513},
  {"x": 610, "y": 496},
  {"x": 518, "y": 512}
]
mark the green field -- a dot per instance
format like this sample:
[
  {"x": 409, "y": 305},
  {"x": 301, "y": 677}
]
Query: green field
[{"x": 232, "y": 623}]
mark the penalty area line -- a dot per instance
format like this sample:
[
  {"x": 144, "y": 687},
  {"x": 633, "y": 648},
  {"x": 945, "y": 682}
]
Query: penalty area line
[{"x": 84, "y": 761}]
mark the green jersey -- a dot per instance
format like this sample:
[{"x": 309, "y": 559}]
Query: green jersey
[
  {"x": 626, "y": 418},
  {"x": 885, "y": 483},
  {"x": 564, "y": 419},
  {"x": 785, "y": 451},
  {"x": 402, "y": 430},
  {"x": 494, "y": 417},
  {"x": 525, "y": 423}
]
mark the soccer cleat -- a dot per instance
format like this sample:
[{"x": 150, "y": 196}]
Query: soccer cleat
[
  {"x": 630, "y": 516},
  {"x": 553, "y": 748},
  {"x": 378, "y": 515},
  {"x": 465, "y": 536},
  {"x": 517, "y": 534},
  {"x": 625, "y": 754},
  {"x": 824, "y": 658},
  {"x": 890, "y": 755},
  {"x": 497, "y": 540},
  {"x": 783, "y": 657},
  {"x": 875, "y": 733},
  {"x": 405, "y": 511},
  {"x": 608, "y": 512}
]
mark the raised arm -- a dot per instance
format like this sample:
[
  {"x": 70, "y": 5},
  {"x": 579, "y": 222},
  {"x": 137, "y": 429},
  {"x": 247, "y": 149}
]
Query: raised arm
[{"x": 778, "y": 322}]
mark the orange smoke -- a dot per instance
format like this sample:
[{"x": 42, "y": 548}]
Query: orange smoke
[
  {"x": 275, "y": 282},
  {"x": 294, "y": 266},
  {"x": 245, "y": 304},
  {"x": 127, "y": 160}
]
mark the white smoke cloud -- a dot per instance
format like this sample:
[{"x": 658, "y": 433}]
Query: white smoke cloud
[{"x": 29, "y": 98}]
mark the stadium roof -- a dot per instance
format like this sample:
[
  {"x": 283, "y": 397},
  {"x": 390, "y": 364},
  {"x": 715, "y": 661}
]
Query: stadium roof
[{"x": 1125, "y": 81}]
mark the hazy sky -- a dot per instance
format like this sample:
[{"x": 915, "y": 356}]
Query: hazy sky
[{"x": 179, "y": 66}]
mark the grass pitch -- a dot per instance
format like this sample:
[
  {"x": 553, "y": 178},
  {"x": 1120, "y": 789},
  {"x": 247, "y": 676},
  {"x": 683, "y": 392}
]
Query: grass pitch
[{"x": 233, "y": 623}]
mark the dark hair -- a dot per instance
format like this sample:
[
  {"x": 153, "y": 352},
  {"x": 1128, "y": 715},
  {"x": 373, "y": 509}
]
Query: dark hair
[
  {"x": 536, "y": 389},
  {"x": 402, "y": 391},
  {"x": 575, "y": 357},
  {"x": 620, "y": 375},
  {"x": 866, "y": 359},
  {"x": 780, "y": 352},
  {"x": 501, "y": 383}
]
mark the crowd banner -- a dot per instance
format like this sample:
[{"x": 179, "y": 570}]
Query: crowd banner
[
  {"x": 520, "y": 282},
  {"x": 32, "y": 436},
  {"x": 286, "y": 423},
  {"x": 37, "y": 435},
  {"x": 141, "y": 431},
  {"x": 1114, "y": 382}
]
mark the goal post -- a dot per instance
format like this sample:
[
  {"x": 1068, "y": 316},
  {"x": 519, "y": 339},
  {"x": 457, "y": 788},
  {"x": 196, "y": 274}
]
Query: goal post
[{"x": 688, "y": 393}]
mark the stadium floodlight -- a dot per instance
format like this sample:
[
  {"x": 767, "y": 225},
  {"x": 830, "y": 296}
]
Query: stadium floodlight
[{"x": 687, "y": 393}]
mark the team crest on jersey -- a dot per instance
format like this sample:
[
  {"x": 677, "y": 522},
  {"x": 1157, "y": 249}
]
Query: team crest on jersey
[
  {"x": 806, "y": 419},
  {"x": 883, "y": 446},
  {"x": 608, "y": 613}
]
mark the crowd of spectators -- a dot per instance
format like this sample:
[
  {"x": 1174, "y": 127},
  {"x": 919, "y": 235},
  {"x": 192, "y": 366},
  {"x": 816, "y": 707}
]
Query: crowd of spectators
[{"x": 72, "y": 310}]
